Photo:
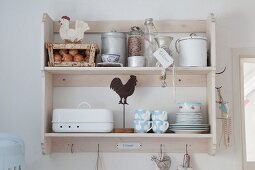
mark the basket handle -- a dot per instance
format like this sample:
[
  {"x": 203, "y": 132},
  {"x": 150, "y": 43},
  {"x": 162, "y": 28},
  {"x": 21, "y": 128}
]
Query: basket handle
[{"x": 84, "y": 104}]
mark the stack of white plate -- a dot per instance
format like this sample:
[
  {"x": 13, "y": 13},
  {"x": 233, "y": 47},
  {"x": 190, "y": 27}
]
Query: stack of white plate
[
  {"x": 190, "y": 122},
  {"x": 189, "y": 128},
  {"x": 189, "y": 118}
]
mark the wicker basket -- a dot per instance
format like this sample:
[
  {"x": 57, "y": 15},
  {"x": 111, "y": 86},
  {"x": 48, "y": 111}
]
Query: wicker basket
[{"x": 88, "y": 51}]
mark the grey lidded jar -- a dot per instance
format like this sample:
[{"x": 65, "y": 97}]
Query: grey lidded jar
[{"x": 115, "y": 43}]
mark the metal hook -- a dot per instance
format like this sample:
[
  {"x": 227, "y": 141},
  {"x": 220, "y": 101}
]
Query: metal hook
[
  {"x": 186, "y": 158},
  {"x": 161, "y": 151},
  {"x": 218, "y": 87},
  {"x": 186, "y": 148},
  {"x": 163, "y": 78},
  {"x": 222, "y": 70},
  {"x": 98, "y": 158},
  {"x": 219, "y": 95},
  {"x": 97, "y": 149},
  {"x": 72, "y": 148},
  {"x": 163, "y": 83}
]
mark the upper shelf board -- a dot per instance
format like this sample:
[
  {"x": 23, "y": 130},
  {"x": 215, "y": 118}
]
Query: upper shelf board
[
  {"x": 164, "y": 26},
  {"x": 127, "y": 70},
  {"x": 123, "y": 26}
]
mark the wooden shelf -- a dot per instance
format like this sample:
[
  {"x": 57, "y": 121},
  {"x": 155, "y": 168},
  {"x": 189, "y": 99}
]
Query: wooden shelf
[
  {"x": 88, "y": 142},
  {"x": 126, "y": 135},
  {"x": 147, "y": 77},
  {"x": 127, "y": 70}
]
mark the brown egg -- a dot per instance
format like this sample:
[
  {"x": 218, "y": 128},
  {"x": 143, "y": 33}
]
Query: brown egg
[
  {"x": 87, "y": 59},
  {"x": 62, "y": 52},
  {"x": 67, "y": 58},
  {"x": 78, "y": 58},
  {"x": 73, "y": 52},
  {"x": 57, "y": 58},
  {"x": 87, "y": 53}
]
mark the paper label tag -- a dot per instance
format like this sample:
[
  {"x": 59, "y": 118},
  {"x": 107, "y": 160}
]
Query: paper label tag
[
  {"x": 163, "y": 57},
  {"x": 129, "y": 145}
]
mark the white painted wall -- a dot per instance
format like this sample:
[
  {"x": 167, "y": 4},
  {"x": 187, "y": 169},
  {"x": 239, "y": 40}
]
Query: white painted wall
[{"x": 20, "y": 84}]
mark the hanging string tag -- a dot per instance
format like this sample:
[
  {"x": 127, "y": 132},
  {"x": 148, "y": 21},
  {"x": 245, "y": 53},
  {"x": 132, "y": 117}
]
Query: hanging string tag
[
  {"x": 163, "y": 57},
  {"x": 163, "y": 77},
  {"x": 165, "y": 60}
]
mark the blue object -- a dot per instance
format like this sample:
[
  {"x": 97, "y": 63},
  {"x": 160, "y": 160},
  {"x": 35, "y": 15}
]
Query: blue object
[{"x": 224, "y": 108}]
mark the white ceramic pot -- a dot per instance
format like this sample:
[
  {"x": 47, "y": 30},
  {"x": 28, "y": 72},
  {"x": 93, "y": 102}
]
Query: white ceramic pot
[
  {"x": 136, "y": 61},
  {"x": 192, "y": 51}
]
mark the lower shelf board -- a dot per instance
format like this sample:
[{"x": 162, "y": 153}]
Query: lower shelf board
[
  {"x": 128, "y": 135},
  {"x": 110, "y": 142}
]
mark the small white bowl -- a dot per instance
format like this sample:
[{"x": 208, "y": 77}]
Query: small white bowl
[
  {"x": 189, "y": 107},
  {"x": 110, "y": 58},
  {"x": 136, "y": 61}
]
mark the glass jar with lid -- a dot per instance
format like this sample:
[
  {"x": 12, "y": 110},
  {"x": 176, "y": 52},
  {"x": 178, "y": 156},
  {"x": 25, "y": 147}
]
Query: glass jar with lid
[{"x": 135, "y": 41}]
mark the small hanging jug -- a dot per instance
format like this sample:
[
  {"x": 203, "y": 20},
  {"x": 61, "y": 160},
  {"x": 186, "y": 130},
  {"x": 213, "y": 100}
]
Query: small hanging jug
[{"x": 164, "y": 42}]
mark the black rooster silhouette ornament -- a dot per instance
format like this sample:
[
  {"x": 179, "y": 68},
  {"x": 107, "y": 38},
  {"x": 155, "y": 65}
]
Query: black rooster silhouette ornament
[{"x": 124, "y": 90}]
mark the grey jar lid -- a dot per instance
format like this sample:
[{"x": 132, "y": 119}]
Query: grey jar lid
[{"x": 113, "y": 34}]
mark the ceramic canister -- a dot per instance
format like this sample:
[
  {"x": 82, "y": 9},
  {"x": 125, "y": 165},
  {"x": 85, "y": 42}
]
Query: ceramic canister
[
  {"x": 192, "y": 51},
  {"x": 115, "y": 43}
]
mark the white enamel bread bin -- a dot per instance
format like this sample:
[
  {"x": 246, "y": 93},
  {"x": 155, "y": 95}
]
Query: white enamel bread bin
[{"x": 82, "y": 120}]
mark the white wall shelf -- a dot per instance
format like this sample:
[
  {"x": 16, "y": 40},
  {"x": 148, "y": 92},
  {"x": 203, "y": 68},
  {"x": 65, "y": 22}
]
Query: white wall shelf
[{"x": 147, "y": 77}]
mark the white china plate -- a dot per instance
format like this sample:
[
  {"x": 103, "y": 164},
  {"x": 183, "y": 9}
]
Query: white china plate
[
  {"x": 188, "y": 119},
  {"x": 192, "y": 120},
  {"x": 190, "y": 113},
  {"x": 190, "y": 126},
  {"x": 196, "y": 116},
  {"x": 189, "y": 122},
  {"x": 189, "y": 131},
  {"x": 184, "y": 128},
  {"x": 177, "y": 124}
]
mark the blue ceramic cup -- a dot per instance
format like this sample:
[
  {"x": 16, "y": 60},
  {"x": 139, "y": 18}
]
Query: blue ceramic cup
[
  {"x": 142, "y": 126},
  {"x": 141, "y": 114},
  {"x": 159, "y": 126},
  {"x": 159, "y": 115}
]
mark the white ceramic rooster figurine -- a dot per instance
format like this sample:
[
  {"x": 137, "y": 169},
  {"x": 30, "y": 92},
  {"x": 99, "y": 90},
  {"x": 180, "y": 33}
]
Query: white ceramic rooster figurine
[{"x": 72, "y": 35}]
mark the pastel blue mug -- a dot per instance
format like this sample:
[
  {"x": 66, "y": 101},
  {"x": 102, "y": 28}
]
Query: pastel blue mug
[
  {"x": 141, "y": 114},
  {"x": 159, "y": 126},
  {"x": 159, "y": 115},
  {"x": 142, "y": 126}
]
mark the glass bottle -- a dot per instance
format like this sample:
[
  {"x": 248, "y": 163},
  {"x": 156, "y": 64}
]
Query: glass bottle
[{"x": 150, "y": 44}]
